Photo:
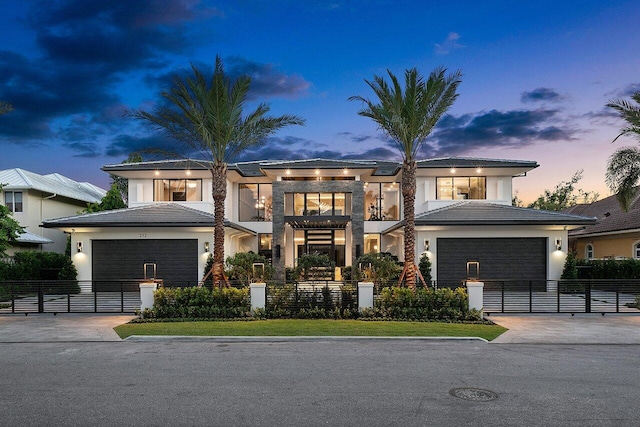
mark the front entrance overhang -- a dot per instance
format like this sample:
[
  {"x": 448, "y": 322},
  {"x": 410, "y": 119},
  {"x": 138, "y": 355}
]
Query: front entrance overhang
[{"x": 306, "y": 222}]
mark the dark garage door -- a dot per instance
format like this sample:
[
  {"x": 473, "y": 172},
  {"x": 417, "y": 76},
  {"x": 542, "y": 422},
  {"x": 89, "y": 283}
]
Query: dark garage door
[
  {"x": 176, "y": 260},
  {"x": 499, "y": 258}
]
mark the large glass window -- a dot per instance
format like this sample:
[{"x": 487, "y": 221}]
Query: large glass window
[
  {"x": 381, "y": 201},
  {"x": 264, "y": 245},
  {"x": 461, "y": 188},
  {"x": 255, "y": 202},
  {"x": 13, "y": 200},
  {"x": 317, "y": 204},
  {"x": 371, "y": 243},
  {"x": 177, "y": 190}
]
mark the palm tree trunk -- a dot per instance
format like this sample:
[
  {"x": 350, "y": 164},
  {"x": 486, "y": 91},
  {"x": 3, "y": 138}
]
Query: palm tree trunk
[
  {"x": 219, "y": 193},
  {"x": 409, "y": 200}
]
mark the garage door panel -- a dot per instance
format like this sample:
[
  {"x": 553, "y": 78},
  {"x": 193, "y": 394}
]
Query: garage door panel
[
  {"x": 499, "y": 258},
  {"x": 176, "y": 260}
]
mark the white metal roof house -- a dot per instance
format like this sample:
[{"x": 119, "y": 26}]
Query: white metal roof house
[
  {"x": 35, "y": 198},
  {"x": 344, "y": 208}
]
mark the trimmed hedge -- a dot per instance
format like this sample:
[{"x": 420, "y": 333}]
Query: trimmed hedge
[
  {"x": 394, "y": 303},
  {"x": 608, "y": 269}
]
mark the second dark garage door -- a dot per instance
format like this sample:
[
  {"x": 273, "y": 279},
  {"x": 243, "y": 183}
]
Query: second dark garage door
[
  {"x": 176, "y": 260},
  {"x": 500, "y": 259}
]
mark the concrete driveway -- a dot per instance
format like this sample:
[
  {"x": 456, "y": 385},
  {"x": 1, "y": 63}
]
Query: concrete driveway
[
  {"x": 567, "y": 329},
  {"x": 60, "y": 328}
]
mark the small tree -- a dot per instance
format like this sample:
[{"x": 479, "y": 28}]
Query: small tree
[
  {"x": 307, "y": 264},
  {"x": 425, "y": 268},
  {"x": 570, "y": 270},
  {"x": 379, "y": 268},
  {"x": 241, "y": 267}
]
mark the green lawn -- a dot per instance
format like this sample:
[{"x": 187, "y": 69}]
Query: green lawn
[{"x": 298, "y": 327}]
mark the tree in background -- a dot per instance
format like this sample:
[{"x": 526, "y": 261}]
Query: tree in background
[
  {"x": 207, "y": 116},
  {"x": 408, "y": 118},
  {"x": 564, "y": 195},
  {"x": 10, "y": 229},
  {"x": 5, "y": 107},
  {"x": 623, "y": 167},
  {"x": 111, "y": 200},
  {"x": 122, "y": 184}
]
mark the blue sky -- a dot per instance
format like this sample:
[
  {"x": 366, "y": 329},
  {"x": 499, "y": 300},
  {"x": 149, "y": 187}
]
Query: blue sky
[{"x": 536, "y": 76}]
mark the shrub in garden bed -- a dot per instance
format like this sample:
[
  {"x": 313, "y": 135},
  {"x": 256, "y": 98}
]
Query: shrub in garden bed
[{"x": 225, "y": 303}]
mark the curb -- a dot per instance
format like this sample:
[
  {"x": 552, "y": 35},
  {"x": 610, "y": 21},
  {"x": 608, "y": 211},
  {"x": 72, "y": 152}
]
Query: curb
[{"x": 235, "y": 339}]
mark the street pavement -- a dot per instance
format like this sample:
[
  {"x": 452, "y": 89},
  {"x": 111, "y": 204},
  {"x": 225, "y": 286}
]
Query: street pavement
[{"x": 73, "y": 370}]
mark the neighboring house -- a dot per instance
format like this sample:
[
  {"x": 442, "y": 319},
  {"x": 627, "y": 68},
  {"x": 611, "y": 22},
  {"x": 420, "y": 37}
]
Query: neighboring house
[
  {"x": 35, "y": 198},
  {"x": 284, "y": 209},
  {"x": 615, "y": 235}
]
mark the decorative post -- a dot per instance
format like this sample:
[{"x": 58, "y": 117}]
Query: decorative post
[
  {"x": 146, "y": 295},
  {"x": 475, "y": 290},
  {"x": 258, "y": 295},
  {"x": 365, "y": 295}
]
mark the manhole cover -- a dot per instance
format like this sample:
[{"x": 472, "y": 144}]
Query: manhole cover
[{"x": 473, "y": 394}]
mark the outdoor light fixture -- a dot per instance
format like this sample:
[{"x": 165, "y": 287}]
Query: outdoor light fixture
[
  {"x": 452, "y": 170},
  {"x": 426, "y": 245},
  {"x": 79, "y": 246},
  {"x": 558, "y": 244},
  {"x": 206, "y": 246}
]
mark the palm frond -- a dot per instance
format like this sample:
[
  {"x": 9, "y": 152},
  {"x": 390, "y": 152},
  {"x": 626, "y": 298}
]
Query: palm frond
[
  {"x": 630, "y": 113},
  {"x": 623, "y": 172}
]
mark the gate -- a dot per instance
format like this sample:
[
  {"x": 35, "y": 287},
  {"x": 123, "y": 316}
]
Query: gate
[
  {"x": 71, "y": 296},
  {"x": 562, "y": 296}
]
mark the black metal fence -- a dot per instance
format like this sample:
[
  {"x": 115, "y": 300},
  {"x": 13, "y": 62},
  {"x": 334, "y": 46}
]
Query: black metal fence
[
  {"x": 297, "y": 298},
  {"x": 561, "y": 296},
  {"x": 72, "y": 296}
]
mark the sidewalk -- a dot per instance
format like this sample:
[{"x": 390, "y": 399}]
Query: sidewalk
[
  {"x": 567, "y": 329},
  {"x": 60, "y": 328}
]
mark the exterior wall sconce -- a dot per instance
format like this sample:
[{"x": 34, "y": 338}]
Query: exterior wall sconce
[
  {"x": 426, "y": 245},
  {"x": 79, "y": 246},
  {"x": 558, "y": 244},
  {"x": 206, "y": 246}
]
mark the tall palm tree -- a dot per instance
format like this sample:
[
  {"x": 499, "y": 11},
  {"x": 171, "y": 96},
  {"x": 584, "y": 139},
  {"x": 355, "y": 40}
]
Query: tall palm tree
[
  {"x": 408, "y": 118},
  {"x": 207, "y": 116},
  {"x": 623, "y": 167}
]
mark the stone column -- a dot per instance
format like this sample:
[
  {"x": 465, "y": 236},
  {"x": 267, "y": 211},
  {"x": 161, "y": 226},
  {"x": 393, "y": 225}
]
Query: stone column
[
  {"x": 146, "y": 295},
  {"x": 365, "y": 295},
  {"x": 475, "y": 290},
  {"x": 258, "y": 295}
]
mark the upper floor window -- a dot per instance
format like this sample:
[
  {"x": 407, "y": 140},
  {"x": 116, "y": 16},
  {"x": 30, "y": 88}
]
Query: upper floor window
[
  {"x": 636, "y": 250},
  {"x": 588, "y": 251},
  {"x": 177, "y": 190},
  {"x": 317, "y": 204},
  {"x": 461, "y": 188},
  {"x": 381, "y": 201},
  {"x": 255, "y": 202},
  {"x": 13, "y": 200}
]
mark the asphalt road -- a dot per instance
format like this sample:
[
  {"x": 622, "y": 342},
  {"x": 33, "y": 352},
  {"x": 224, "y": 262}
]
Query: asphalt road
[{"x": 323, "y": 382}]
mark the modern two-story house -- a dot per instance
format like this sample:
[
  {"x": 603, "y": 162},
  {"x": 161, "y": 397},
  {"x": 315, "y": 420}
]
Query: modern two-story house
[
  {"x": 284, "y": 209},
  {"x": 34, "y": 198}
]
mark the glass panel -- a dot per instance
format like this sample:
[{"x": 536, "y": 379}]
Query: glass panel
[
  {"x": 313, "y": 204},
  {"x": 8, "y": 200},
  {"x": 339, "y": 204},
  {"x": 264, "y": 242},
  {"x": 298, "y": 204},
  {"x": 326, "y": 204},
  {"x": 444, "y": 188},
  {"x": 390, "y": 201},
  {"x": 266, "y": 198},
  {"x": 461, "y": 186},
  {"x": 478, "y": 188},
  {"x": 160, "y": 190},
  {"x": 17, "y": 201},
  {"x": 177, "y": 188},
  {"x": 194, "y": 190},
  {"x": 347, "y": 204},
  {"x": 371, "y": 243},
  {"x": 372, "y": 202},
  {"x": 247, "y": 200}
]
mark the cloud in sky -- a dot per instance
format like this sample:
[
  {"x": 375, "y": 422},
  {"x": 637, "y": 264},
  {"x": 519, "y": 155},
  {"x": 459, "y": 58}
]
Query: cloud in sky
[
  {"x": 266, "y": 80},
  {"x": 449, "y": 44},
  {"x": 508, "y": 129},
  {"x": 541, "y": 94}
]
